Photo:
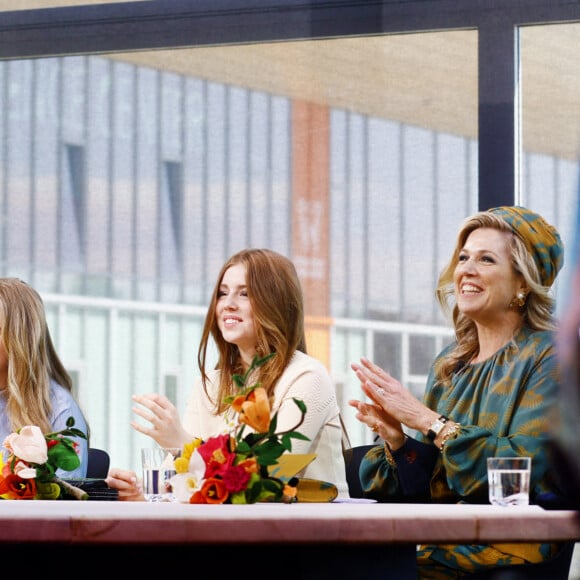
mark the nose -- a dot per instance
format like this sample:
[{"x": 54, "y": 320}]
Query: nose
[
  {"x": 229, "y": 302},
  {"x": 466, "y": 266}
]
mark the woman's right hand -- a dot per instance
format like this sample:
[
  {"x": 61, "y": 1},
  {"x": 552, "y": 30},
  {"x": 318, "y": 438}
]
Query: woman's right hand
[
  {"x": 126, "y": 483},
  {"x": 165, "y": 427}
]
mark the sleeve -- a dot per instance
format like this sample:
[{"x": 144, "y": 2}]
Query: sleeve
[
  {"x": 191, "y": 417},
  {"x": 64, "y": 406},
  {"x": 405, "y": 480},
  {"x": 520, "y": 426},
  {"x": 314, "y": 387}
]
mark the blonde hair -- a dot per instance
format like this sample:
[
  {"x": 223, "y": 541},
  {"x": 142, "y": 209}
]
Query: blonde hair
[
  {"x": 538, "y": 309},
  {"x": 275, "y": 295},
  {"x": 32, "y": 358}
]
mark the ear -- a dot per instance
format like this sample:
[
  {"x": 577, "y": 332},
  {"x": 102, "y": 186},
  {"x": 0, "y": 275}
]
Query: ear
[{"x": 522, "y": 287}]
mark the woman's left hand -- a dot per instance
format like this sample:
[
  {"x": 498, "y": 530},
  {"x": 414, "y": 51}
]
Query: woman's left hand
[
  {"x": 379, "y": 422},
  {"x": 126, "y": 483},
  {"x": 395, "y": 401}
]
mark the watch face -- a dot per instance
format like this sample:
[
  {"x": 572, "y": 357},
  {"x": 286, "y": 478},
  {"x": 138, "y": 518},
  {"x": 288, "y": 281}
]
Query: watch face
[{"x": 436, "y": 427}]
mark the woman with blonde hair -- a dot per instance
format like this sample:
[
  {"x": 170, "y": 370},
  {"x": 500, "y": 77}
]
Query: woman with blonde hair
[
  {"x": 492, "y": 392},
  {"x": 35, "y": 388},
  {"x": 256, "y": 309}
]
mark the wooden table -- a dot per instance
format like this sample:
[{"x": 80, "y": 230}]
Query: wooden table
[{"x": 334, "y": 540}]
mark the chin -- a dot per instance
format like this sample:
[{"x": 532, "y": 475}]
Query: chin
[
  {"x": 231, "y": 337},
  {"x": 469, "y": 311}
]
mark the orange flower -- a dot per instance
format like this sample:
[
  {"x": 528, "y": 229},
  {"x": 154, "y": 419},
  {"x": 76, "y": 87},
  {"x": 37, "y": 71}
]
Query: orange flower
[
  {"x": 249, "y": 464},
  {"x": 14, "y": 487},
  {"x": 254, "y": 409},
  {"x": 213, "y": 490},
  {"x": 289, "y": 493},
  {"x": 233, "y": 467}
]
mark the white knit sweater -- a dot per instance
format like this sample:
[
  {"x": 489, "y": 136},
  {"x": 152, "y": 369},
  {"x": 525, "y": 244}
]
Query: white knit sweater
[{"x": 304, "y": 378}]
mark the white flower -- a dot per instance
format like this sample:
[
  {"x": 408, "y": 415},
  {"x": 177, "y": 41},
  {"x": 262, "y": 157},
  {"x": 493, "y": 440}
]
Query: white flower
[
  {"x": 23, "y": 471},
  {"x": 184, "y": 485},
  {"x": 29, "y": 445}
]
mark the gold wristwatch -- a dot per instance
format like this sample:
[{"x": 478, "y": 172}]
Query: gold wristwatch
[{"x": 436, "y": 427}]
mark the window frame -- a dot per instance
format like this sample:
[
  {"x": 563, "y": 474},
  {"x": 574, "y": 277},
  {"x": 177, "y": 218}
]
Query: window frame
[{"x": 130, "y": 26}]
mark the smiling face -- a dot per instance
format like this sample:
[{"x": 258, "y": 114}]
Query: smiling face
[
  {"x": 234, "y": 313},
  {"x": 484, "y": 277}
]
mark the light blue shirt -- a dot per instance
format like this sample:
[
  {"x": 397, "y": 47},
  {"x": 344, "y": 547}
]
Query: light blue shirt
[{"x": 63, "y": 407}]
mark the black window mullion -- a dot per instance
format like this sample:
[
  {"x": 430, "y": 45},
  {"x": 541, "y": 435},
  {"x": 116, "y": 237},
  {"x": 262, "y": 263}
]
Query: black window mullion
[{"x": 498, "y": 122}]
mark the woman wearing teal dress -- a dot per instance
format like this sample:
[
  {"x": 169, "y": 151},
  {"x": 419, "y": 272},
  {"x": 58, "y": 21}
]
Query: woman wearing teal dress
[{"x": 492, "y": 392}]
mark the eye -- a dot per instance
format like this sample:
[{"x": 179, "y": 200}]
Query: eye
[
  {"x": 462, "y": 258},
  {"x": 488, "y": 259},
  {"x": 221, "y": 293}
]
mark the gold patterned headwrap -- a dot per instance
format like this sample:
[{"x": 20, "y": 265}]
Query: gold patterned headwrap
[{"x": 541, "y": 239}]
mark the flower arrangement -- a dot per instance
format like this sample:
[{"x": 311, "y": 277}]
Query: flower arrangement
[
  {"x": 233, "y": 468},
  {"x": 30, "y": 472}
]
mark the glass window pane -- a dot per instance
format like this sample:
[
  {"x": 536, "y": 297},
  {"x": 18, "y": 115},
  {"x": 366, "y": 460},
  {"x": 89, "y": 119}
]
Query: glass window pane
[
  {"x": 356, "y": 157},
  {"x": 550, "y": 95}
]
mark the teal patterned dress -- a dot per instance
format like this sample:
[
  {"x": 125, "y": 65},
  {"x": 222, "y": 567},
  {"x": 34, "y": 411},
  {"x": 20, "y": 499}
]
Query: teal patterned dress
[{"x": 504, "y": 406}]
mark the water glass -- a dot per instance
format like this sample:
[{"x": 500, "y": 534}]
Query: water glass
[
  {"x": 158, "y": 469},
  {"x": 509, "y": 480}
]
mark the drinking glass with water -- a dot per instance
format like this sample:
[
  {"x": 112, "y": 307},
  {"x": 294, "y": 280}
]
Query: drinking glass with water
[
  {"x": 509, "y": 480},
  {"x": 158, "y": 469}
]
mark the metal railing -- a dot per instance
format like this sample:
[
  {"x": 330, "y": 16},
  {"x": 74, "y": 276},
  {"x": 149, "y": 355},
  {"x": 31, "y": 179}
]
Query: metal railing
[{"x": 397, "y": 346}]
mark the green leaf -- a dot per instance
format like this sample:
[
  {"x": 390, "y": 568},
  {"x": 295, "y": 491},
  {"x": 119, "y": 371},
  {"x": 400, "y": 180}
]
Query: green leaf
[
  {"x": 266, "y": 489},
  {"x": 253, "y": 490},
  {"x": 49, "y": 490},
  {"x": 239, "y": 380},
  {"x": 238, "y": 498},
  {"x": 70, "y": 431},
  {"x": 253, "y": 439},
  {"x": 256, "y": 362},
  {"x": 295, "y": 435},
  {"x": 63, "y": 455},
  {"x": 273, "y": 423},
  {"x": 272, "y": 489},
  {"x": 243, "y": 448},
  {"x": 301, "y": 405},
  {"x": 269, "y": 451}
]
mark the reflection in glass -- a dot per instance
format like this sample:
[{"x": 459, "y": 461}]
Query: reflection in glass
[
  {"x": 551, "y": 122},
  {"x": 354, "y": 157}
]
